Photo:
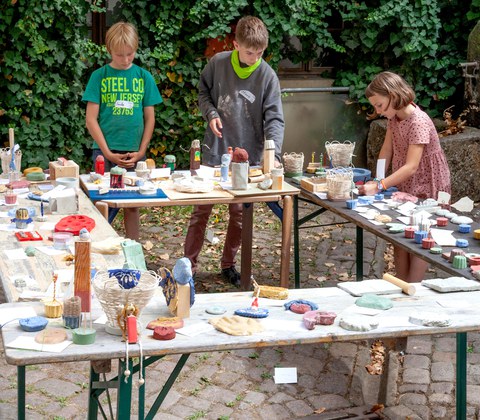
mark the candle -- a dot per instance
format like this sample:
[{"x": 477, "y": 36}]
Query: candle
[
  {"x": 313, "y": 157},
  {"x": 41, "y": 208}
]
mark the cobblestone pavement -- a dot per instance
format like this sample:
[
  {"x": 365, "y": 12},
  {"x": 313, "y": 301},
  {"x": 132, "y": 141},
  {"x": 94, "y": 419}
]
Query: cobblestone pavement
[{"x": 418, "y": 383}]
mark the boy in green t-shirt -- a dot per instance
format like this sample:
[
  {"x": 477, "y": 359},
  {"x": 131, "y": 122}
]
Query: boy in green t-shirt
[{"x": 120, "y": 113}]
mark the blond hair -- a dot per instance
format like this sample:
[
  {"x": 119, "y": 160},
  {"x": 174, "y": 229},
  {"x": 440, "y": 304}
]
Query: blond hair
[
  {"x": 121, "y": 35},
  {"x": 251, "y": 32},
  {"x": 392, "y": 86}
]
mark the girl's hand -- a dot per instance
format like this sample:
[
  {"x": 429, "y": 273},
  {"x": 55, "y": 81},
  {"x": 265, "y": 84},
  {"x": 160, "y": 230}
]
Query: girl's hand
[{"x": 369, "y": 188}]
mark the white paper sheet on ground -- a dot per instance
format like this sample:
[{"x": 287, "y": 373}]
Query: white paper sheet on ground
[
  {"x": 443, "y": 237},
  {"x": 285, "y": 375},
  {"x": 46, "y": 226},
  {"x": 195, "y": 329},
  {"x": 380, "y": 168},
  {"x": 465, "y": 204},
  {"x": 29, "y": 343},
  {"x": 16, "y": 254},
  {"x": 16, "y": 313},
  {"x": 11, "y": 227}
]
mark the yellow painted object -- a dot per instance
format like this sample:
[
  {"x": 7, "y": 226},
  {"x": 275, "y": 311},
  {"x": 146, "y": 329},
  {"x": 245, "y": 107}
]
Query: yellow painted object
[
  {"x": 53, "y": 309},
  {"x": 32, "y": 169}
]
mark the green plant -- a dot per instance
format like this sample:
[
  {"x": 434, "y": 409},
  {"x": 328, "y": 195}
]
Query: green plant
[{"x": 41, "y": 50}]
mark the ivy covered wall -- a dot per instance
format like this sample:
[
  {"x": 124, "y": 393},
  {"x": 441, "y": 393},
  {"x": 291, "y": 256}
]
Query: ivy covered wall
[{"x": 46, "y": 58}]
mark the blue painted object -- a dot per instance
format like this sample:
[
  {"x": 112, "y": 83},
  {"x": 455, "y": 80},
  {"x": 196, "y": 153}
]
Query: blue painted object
[
  {"x": 252, "y": 313},
  {"x": 313, "y": 306},
  {"x": 379, "y": 197},
  {"x": 33, "y": 324},
  {"x": 126, "y": 277},
  {"x": 419, "y": 235},
  {"x": 461, "y": 243},
  {"x": 464, "y": 228}
]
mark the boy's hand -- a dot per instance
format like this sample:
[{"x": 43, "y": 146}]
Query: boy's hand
[
  {"x": 216, "y": 126},
  {"x": 122, "y": 160}
]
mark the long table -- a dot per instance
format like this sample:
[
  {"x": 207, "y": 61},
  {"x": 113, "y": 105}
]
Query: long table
[
  {"x": 247, "y": 198},
  {"x": 398, "y": 239},
  {"x": 282, "y": 328}
]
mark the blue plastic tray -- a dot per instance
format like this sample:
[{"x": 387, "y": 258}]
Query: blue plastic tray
[{"x": 124, "y": 195}]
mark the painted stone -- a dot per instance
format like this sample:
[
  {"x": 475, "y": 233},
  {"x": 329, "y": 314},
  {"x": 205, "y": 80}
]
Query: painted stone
[{"x": 372, "y": 301}]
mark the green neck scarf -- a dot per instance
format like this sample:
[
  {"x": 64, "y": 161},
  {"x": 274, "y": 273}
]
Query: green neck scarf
[{"x": 243, "y": 72}]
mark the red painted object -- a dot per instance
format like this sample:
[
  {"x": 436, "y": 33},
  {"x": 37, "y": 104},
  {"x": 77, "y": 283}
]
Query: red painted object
[
  {"x": 100, "y": 165},
  {"x": 442, "y": 221},
  {"x": 428, "y": 243},
  {"x": 132, "y": 333},
  {"x": 74, "y": 223},
  {"x": 409, "y": 232}
]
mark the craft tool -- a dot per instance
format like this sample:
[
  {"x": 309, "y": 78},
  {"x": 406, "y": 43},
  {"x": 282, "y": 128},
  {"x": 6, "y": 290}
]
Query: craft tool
[{"x": 407, "y": 288}]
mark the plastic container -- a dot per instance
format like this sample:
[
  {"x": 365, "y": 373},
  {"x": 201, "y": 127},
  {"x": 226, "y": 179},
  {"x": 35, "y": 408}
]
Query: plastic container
[{"x": 62, "y": 240}]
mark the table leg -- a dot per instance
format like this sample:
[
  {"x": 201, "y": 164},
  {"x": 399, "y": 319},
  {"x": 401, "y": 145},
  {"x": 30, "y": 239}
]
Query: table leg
[
  {"x": 461, "y": 389},
  {"x": 359, "y": 264},
  {"x": 124, "y": 403},
  {"x": 247, "y": 234},
  {"x": 21, "y": 392},
  {"x": 102, "y": 208},
  {"x": 286, "y": 241},
  {"x": 296, "y": 243}
]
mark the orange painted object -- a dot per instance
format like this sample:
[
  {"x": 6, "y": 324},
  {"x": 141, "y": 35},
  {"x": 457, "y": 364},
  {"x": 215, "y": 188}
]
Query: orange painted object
[{"x": 74, "y": 223}]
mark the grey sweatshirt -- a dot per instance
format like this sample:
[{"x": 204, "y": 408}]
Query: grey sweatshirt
[{"x": 250, "y": 109}]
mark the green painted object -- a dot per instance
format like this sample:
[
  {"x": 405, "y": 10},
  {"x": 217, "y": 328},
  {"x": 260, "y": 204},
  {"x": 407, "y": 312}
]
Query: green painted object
[{"x": 369, "y": 300}]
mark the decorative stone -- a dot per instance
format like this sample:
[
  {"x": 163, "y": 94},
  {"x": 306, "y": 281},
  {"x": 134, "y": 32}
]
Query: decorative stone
[
  {"x": 420, "y": 235},
  {"x": 459, "y": 262},
  {"x": 215, "y": 310},
  {"x": 452, "y": 284},
  {"x": 454, "y": 252},
  {"x": 312, "y": 318},
  {"x": 84, "y": 336},
  {"x": 428, "y": 243},
  {"x": 459, "y": 220},
  {"x": 372, "y": 301},
  {"x": 442, "y": 221},
  {"x": 311, "y": 305},
  {"x": 164, "y": 333},
  {"x": 174, "y": 322},
  {"x": 410, "y": 232},
  {"x": 430, "y": 319},
  {"x": 252, "y": 312},
  {"x": 32, "y": 324},
  {"x": 461, "y": 243},
  {"x": 51, "y": 336},
  {"x": 358, "y": 323},
  {"x": 30, "y": 251}
]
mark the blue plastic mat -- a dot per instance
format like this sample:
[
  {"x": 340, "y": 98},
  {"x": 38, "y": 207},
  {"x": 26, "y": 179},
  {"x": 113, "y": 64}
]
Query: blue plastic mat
[{"x": 124, "y": 195}]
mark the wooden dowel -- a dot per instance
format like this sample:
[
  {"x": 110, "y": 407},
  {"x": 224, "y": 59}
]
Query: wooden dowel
[{"x": 407, "y": 288}]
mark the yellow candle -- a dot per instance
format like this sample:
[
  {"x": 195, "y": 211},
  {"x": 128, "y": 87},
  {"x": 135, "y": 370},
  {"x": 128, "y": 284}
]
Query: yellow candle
[{"x": 313, "y": 157}]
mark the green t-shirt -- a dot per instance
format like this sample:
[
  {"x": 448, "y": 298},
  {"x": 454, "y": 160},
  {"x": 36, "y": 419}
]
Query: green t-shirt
[{"x": 122, "y": 95}]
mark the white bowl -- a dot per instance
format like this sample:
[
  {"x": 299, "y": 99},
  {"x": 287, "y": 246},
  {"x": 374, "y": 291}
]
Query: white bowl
[{"x": 67, "y": 182}]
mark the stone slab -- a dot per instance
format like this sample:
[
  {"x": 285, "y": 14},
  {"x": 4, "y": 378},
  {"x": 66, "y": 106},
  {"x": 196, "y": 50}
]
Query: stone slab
[
  {"x": 377, "y": 287},
  {"x": 452, "y": 284}
]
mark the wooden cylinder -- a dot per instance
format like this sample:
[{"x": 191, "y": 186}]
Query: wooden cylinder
[{"x": 407, "y": 288}]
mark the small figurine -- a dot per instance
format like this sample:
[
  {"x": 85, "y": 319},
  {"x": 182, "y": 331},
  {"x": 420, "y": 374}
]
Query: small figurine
[{"x": 22, "y": 218}]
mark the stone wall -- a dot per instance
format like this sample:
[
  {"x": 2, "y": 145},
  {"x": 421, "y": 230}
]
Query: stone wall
[{"x": 462, "y": 151}]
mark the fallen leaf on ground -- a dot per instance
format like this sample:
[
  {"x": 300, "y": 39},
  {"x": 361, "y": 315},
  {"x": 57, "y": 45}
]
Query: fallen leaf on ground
[
  {"x": 320, "y": 410},
  {"x": 164, "y": 257},
  {"x": 148, "y": 245},
  {"x": 329, "y": 265}
]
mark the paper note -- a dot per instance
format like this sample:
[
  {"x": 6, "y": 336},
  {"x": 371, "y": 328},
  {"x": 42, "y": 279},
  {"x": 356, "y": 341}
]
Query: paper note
[
  {"x": 380, "y": 168},
  {"x": 443, "y": 237},
  {"x": 29, "y": 343},
  {"x": 285, "y": 375}
]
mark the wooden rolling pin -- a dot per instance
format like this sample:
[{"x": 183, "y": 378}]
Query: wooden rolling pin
[{"x": 407, "y": 288}]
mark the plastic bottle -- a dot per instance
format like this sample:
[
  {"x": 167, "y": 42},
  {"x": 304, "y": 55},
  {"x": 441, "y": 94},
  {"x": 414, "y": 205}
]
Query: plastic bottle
[
  {"x": 100, "y": 165},
  {"x": 195, "y": 155}
]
